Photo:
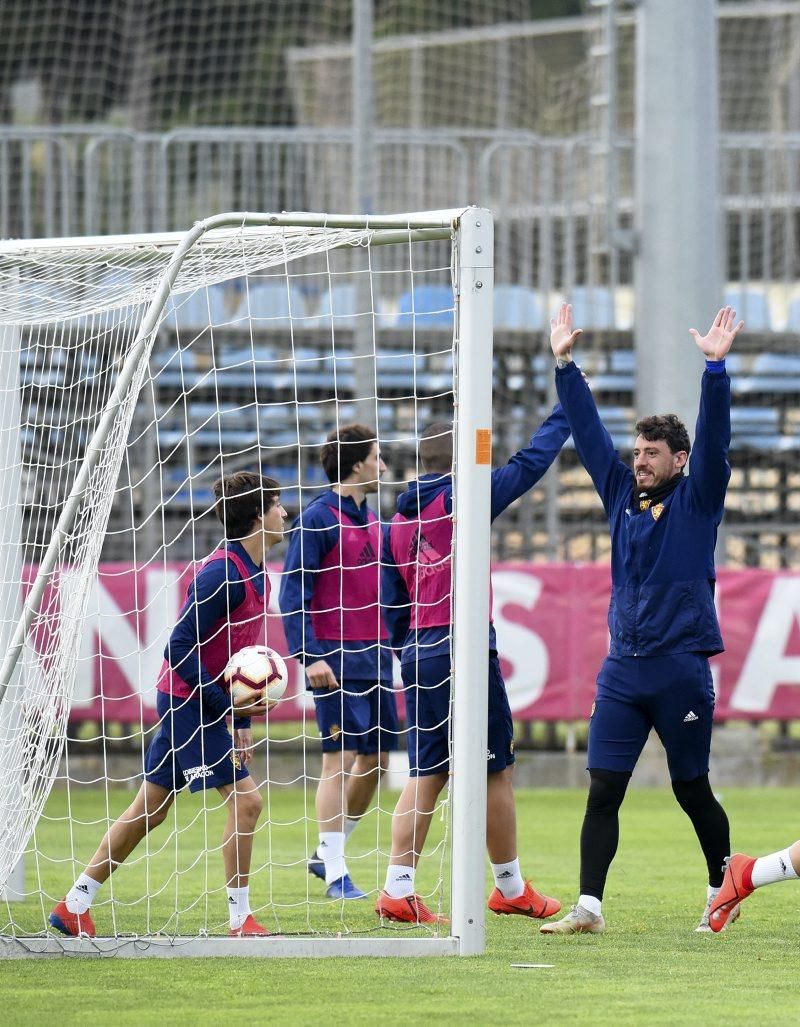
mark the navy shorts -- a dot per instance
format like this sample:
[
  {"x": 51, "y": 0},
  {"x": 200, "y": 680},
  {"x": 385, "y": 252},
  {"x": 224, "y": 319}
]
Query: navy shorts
[
  {"x": 361, "y": 715},
  {"x": 673, "y": 694},
  {"x": 185, "y": 751},
  {"x": 427, "y": 692}
]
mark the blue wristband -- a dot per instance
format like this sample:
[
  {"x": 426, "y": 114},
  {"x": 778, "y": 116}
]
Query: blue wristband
[{"x": 715, "y": 366}]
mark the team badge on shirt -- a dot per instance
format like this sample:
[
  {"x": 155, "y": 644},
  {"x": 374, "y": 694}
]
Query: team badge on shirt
[{"x": 657, "y": 510}]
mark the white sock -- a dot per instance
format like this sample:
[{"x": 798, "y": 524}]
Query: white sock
[
  {"x": 350, "y": 824},
  {"x": 238, "y": 906},
  {"x": 590, "y": 903},
  {"x": 711, "y": 892},
  {"x": 773, "y": 868},
  {"x": 331, "y": 851},
  {"x": 508, "y": 878},
  {"x": 81, "y": 895},
  {"x": 399, "y": 881}
]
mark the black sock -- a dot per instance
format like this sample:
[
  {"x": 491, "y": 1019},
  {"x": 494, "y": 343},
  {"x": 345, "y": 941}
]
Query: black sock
[
  {"x": 600, "y": 831},
  {"x": 710, "y": 822}
]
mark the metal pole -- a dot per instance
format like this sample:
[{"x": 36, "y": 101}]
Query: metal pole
[
  {"x": 612, "y": 169},
  {"x": 11, "y": 557},
  {"x": 471, "y": 514},
  {"x": 363, "y": 198},
  {"x": 677, "y": 274}
]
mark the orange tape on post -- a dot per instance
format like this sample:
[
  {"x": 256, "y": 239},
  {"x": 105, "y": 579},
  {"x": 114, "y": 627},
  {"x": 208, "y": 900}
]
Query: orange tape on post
[{"x": 483, "y": 446}]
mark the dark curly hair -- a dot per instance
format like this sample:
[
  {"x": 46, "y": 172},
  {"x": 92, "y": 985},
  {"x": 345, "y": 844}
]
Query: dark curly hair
[{"x": 668, "y": 427}]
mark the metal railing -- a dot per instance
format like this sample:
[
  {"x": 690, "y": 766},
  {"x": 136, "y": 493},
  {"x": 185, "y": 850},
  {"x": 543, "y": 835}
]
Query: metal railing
[{"x": 82, "y": 181}]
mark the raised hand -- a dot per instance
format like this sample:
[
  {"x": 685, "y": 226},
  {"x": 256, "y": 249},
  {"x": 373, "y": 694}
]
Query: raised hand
[
  {"x": 720, "y": 336},
  {"x": 561, "y": 334}
]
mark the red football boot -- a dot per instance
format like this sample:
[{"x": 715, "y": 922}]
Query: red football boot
[
  {"x": 251, "y": 928},
  {"x": 74, "y": 925},
  {"x": 408, "y": 910},
  {"x": 529, "y": 903},
  {"x": 737, "y": 884}
]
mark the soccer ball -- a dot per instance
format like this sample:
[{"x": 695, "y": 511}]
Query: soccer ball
[{"x": 257, "y": 668}]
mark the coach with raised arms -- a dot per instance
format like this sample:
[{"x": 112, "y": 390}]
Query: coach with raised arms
[{"x": 661, "y": 618}]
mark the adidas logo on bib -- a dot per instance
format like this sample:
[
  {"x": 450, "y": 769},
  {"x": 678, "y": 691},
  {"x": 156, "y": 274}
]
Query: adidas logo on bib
[{"x": 690, "y": 716}]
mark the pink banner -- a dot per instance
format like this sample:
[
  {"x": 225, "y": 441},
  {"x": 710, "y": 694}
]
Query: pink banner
[{"x": 551, "y": 628}]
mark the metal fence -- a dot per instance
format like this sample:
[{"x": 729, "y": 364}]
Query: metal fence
[
  {"x": 551, "y": 241},
  {"x": 548, "y": 195}
]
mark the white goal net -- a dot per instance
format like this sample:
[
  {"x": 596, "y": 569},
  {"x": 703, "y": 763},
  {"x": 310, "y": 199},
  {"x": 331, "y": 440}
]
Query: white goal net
[{"x": 136, "y": 372}]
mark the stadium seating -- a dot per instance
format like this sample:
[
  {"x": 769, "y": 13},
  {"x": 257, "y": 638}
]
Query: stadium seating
[
  {"x": 339, "y": 303},
  {"x": 793, "y": 323},
  {"x": 431, "y": 305},
  {"x": 517, "y": 308},
  {"x": 592, "y": 306},
  {"x": 751, "y": 306},
  {"x": 272, "y": 304}
]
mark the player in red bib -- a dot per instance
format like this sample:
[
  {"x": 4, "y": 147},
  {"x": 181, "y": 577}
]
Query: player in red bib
[
  {"x": 332, "y": 617},
  {"x": 416, "y": 593},
  {"x": 224, "y": 611}
]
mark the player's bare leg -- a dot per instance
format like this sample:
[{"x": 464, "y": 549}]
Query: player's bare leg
[
  {"x": 331, "y": 799},
  {"x": 244, "y": 803},
  {"x": 501, "y": 817},
  {"x": 362, "y": 782},
  {"x": 332, "y": 804},
  {"x": 412, "y": 817},
  {"x": 148, "y": 810},
  {"x": 411, "y": 822},
  {"x": 71, "y": 916},
  {"x": 512, "y": 894}
]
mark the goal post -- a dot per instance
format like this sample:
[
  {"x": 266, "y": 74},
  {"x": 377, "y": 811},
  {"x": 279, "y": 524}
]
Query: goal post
[{"x": 110, "y": 307}]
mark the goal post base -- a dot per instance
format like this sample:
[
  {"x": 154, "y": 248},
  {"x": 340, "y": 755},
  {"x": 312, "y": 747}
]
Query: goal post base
[{"x": 194, "y": 948}]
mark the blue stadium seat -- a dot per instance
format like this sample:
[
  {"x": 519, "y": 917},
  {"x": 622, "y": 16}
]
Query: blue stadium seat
[
  {"x": 769, "y": 372},
  {"x": 755, "y": 420},
  {"x": 592, "y": 306},
  {"x": 216, "y": 305},
  {"x": 623, "y": 361},
  {"x": 793, "y": 324},
  {"x": 341, "y": 305},
  {"x": 273, "y": 303},
  {"x": 751, "y": 306},
  {"x": 759, "y": 428},
  {"x": 431, "y": 305},
  {"x": 517, "y": 307},
  {"x": 782, "y": 364}
]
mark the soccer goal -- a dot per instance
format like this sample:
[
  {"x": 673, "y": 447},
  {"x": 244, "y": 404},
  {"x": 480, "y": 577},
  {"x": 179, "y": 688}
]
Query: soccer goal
[{"x": 136, "y": 371}]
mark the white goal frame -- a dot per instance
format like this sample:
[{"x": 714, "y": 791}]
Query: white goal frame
[{"x": 471, "y": 231}]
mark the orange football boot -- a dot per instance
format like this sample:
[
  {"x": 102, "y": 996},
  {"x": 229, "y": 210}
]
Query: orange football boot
[
  {"x": 529, "y": 903},
  {"x": 410, "y": 909},
  {"x": 737, "y": 884}
]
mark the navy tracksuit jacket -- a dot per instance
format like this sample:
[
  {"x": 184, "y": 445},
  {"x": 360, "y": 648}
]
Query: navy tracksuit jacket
[{"x": 662, "y": 570}]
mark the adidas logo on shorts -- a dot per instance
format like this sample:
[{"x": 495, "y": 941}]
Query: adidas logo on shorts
[{"x": 690, "y": 716}]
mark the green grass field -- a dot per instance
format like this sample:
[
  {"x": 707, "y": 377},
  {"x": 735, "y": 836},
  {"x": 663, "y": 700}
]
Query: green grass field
[{"x": 649, "y": 968}]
